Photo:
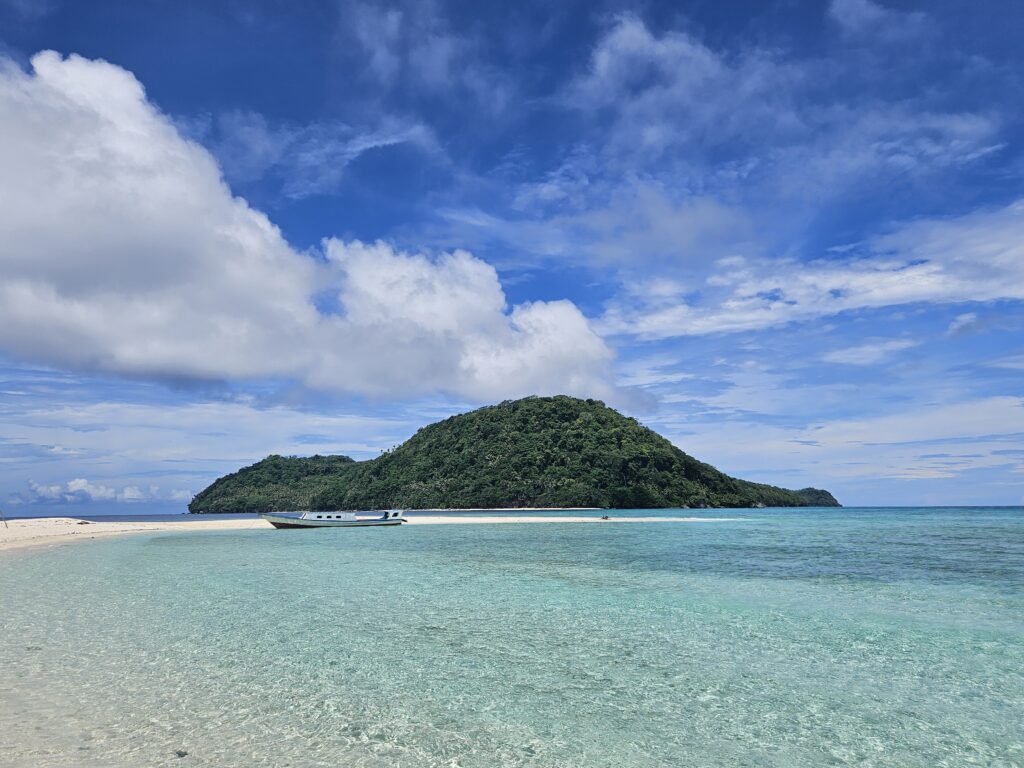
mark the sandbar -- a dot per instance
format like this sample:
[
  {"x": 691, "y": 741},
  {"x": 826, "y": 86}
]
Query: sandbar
[{"x": 45, "y": 531}]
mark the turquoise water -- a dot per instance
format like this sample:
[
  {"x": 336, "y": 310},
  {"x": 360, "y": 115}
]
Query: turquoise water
[{"x": 784, "y": 638}]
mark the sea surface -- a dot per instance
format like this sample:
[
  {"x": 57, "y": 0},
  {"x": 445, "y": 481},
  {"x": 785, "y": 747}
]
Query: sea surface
[{"x": 854, "y": 637}]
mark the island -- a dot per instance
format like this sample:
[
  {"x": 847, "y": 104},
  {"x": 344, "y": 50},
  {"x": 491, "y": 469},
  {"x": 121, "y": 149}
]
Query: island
[{"x": 538, "y": 452}]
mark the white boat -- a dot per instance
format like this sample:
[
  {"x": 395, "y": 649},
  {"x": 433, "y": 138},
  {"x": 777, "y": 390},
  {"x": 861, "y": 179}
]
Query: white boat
[{"x": 331, "y": 519}]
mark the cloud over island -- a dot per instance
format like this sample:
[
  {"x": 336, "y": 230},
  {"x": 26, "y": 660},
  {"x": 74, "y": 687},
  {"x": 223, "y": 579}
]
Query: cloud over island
[{"x": 125, "y": 252}]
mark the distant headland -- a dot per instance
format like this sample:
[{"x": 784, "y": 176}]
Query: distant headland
[{"x": 549, "y": 452}]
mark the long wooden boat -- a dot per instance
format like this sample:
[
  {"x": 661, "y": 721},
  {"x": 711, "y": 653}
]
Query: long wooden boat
[{"x": 331, "y": 519}]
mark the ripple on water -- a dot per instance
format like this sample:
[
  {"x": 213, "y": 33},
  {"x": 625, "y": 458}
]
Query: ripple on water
[{"x": 787, "y": 639}]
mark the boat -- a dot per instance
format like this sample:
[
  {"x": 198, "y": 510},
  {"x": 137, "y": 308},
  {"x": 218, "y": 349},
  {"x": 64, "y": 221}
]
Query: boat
[{"x": 331, "y": 519}]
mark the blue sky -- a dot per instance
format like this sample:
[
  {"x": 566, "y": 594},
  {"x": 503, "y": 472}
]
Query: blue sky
[{"x": 787, "y": 235}]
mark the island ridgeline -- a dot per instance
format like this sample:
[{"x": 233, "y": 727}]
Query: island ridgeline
[{"x": 535, "y": 452}]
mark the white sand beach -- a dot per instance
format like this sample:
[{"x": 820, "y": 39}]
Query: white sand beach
[
  {"x": 18, "y": 534},
  {"x": 482, "y": 518},
  {"x": 45, "y": 531}
]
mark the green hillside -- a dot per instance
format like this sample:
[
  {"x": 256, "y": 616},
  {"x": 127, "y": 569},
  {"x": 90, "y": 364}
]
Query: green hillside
[{"x": 536, "y": 452}]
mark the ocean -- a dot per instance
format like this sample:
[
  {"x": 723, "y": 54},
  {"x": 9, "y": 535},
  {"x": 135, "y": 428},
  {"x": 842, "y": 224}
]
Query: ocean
[{"x": 847, "y": 637}]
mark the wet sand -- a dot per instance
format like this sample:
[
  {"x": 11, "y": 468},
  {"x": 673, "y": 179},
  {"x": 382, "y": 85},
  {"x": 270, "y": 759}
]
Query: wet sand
[{"x": 45, "y": 531}]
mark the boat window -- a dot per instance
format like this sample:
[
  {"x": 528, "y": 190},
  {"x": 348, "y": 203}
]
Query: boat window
[{"x": 318, "y": 517}]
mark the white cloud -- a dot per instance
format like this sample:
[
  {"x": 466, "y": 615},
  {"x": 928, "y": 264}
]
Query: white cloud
[
  {"x": 869, "y": 460},
  {"x": 91, "y": 491},
  {"x": 30, "y": 10},
  {"x": 869, "y": 353},
  {"x": 1013, "y": 362},
  {"x": 969, "y": 420},
  {"x": 415, "y": 44},
  {"x": 696, "y": 153},
  {"x": 309, "y": 159},
  {"x": 80, "y": 490},
  {"x": 857, "y": 14},
  {"x": 50, "y": 492},
  {"x": 864, "y": 142},
  {"x": 180, "y": 448},
  {"x": 130, "y": 493},
  {"x": 156, "y": 270},
  {"x": 642, "y": 223},
  {"x": 963, "y": 323},
  {"x": 567, "y": 184},
  {"x": 673, "y": 90},
  {"x": 635, "y": 226},
  {"x": 446, "y": 319},
  {"x": 377, "y": 30},
  {"x": 865, "y": 17},
  {"x": 653, "y": 372},
  {"x": 629, "y": 58},
  {"x": 976, "y": 257},
  {"x": 208, "y": 432}
]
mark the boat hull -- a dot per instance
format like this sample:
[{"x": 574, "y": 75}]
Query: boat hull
[{"x": 286, "y": 521}]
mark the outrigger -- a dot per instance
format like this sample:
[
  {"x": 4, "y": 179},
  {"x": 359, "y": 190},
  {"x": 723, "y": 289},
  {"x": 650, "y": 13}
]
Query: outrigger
[{"x": 331, "y": 519}]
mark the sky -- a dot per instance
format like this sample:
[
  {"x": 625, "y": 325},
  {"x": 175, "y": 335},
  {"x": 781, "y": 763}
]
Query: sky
[{"x": 788, "y": 235}]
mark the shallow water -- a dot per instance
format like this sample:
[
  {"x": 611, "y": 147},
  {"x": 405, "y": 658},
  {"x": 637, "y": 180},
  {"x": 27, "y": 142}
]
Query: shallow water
[{"x": 784, "y": 638}]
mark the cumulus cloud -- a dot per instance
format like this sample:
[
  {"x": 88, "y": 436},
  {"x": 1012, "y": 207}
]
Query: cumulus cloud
[
  {"x": 124, "y": 251},
  {"x": 82, "y": 487},
  {"x": 79, "y": 490},
  {"x": 50, "y": 492},
  {"x": 446, "y": 319}
]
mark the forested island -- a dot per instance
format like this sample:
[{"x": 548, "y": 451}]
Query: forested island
[{"x": 535, "y": 452}]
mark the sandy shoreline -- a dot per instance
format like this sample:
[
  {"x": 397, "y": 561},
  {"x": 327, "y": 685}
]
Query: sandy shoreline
[
  {"x": 42, "y": 531},
  {"x": 46, "y": 531},
  {"x": 507, "y": 509}
]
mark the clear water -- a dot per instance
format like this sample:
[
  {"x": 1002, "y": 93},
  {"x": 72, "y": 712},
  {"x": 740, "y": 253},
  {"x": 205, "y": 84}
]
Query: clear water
[{"x": 797, "y": 638}]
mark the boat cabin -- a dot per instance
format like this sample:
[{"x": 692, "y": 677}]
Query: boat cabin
[{"x": 346, "y": 516}]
